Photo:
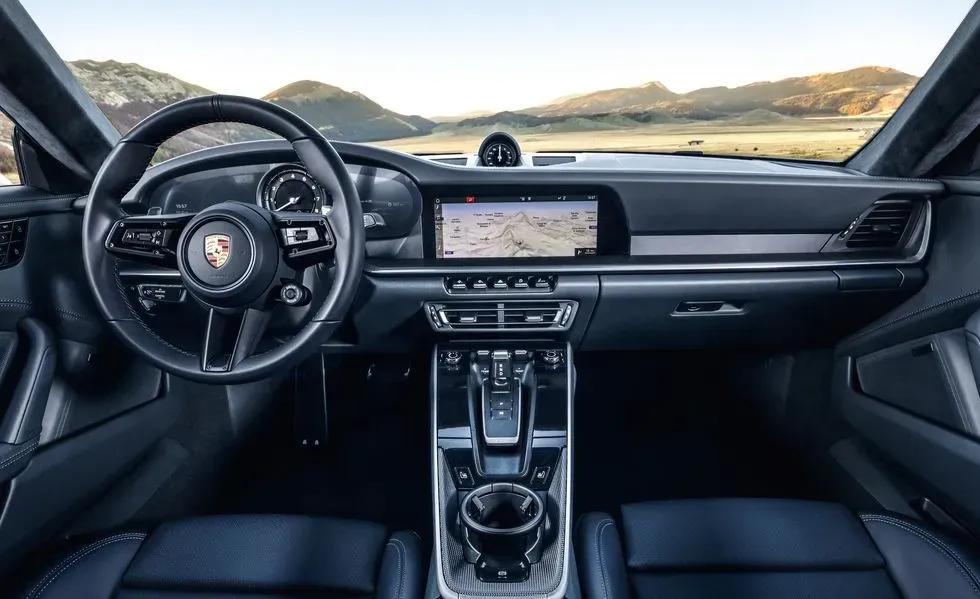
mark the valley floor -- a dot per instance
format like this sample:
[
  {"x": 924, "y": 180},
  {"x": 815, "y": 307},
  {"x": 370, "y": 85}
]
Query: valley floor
[{"x": 816, "y": 138}]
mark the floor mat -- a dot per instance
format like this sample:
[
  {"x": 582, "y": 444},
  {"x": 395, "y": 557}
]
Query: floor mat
[
  {"x": 375, "y": 465},
  {"x": 671, "y": 426}
]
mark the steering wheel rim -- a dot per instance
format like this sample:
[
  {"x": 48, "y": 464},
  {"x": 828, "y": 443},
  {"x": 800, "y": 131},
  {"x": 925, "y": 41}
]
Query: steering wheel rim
[{"x": 104, "y": 217}]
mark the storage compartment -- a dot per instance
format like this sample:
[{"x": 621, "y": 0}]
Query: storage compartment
[
  {"x": 767, "y": 310},
  {"x": 930, "y": 377}
]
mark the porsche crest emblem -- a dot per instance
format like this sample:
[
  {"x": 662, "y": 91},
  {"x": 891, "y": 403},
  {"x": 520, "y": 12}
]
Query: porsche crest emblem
[{"x": 217, "y": 249}]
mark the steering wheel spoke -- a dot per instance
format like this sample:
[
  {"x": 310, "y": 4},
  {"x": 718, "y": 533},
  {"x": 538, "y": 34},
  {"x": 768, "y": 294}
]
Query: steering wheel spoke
[
  {"x": 305, "y": 239},
  {"x": 242, "y": 332},
  {"x": 147, "y": 239}
]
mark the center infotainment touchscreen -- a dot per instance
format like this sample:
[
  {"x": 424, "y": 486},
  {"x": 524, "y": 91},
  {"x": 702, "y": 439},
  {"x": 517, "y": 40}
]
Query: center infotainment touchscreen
[{"x": 539, "y": 226}]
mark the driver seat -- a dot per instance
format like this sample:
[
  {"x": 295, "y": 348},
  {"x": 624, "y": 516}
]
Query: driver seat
[{"x": 247, "y": 557}]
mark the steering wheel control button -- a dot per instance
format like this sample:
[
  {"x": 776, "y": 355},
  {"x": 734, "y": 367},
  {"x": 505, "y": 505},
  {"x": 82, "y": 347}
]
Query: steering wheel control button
[
  {"x": 161, "y": 293},
  {"x": 299, "y": 235},
  {"x": 293, "y": 294}
]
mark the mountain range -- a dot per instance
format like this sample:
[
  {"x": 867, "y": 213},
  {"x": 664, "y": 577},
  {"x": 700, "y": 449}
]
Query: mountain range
[{"x": 129, "y": 92}]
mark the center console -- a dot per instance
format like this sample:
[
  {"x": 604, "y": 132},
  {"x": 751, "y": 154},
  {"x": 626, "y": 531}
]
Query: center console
[{"x": 502, "y": 415}]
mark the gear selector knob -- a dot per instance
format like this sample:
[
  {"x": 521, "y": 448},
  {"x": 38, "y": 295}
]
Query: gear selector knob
[{"x": 501, "y": 370}]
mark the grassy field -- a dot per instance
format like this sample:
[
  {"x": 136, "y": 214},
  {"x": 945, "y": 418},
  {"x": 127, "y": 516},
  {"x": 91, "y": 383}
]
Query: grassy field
[{"x": 819, "y": 138}]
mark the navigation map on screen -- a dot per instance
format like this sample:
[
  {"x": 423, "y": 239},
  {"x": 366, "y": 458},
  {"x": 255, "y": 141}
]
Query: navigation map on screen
[{"x": 543, "y": 226}]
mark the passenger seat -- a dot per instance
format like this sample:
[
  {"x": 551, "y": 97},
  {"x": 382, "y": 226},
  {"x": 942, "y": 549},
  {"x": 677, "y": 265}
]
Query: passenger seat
[{"x": 767, "y": 549}]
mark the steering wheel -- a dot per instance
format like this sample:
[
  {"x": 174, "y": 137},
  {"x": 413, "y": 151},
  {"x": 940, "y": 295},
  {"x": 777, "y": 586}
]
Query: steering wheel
[{"x": 237, "y": 260}]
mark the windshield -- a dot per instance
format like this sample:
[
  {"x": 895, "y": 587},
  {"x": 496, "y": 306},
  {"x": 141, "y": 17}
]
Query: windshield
[{"x": 756, "y": 78}]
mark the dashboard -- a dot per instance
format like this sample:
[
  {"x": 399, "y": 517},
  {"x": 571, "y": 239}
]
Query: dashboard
[{"x": 606, "y": 250}]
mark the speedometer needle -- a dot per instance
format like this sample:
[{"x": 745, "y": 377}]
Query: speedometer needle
[{"x": 288, "y": 204}]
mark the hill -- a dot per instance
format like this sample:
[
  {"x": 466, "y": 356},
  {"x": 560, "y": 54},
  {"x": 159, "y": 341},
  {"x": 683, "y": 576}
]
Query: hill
[
  {"x": 128, "y": 92},
  {"x": 340, "y": 114},
  {"x": 7, "y": 163},
  {"x": 605, "y": 101},
  {"x": 863, "y": 91}
]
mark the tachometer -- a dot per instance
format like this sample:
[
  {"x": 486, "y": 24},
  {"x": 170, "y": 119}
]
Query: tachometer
[{"x": 292, "y": 189}]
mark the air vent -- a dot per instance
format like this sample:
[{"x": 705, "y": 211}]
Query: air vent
[
  {"x": 497, "y": 316},
  {"x": 880, "y": 227}
]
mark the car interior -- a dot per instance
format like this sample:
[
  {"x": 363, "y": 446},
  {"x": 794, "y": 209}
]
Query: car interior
[{"x": 263, "y": 370}]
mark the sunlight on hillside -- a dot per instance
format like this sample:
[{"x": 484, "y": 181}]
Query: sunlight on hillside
[
  {"x": 8, "y": 166},
  {"x": 819, "y": 139}
]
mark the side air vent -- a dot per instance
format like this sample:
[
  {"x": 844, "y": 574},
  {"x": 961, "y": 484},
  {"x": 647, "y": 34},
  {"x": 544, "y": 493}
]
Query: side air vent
[
  {"x": 499, "y": 316},
  {"x": 880, "y": 227}
]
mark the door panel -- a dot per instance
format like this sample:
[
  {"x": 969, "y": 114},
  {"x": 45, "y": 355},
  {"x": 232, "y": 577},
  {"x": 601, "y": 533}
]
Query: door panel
[
  {"x": 907, "y": 384},
  {"x": 77, "y": 411}
]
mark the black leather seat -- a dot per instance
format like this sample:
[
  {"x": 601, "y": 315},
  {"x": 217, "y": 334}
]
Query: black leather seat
[
  {"x": 253, "y": 557},
  {"x": 765, "y": 549}
]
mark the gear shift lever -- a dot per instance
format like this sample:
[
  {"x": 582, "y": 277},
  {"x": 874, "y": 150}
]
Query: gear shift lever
[
  {"x": 501, "y": 403},
  {"x": 501, "y": 371}
]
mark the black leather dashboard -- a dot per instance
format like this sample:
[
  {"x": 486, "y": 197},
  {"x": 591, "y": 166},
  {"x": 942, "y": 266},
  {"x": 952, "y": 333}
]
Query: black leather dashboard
[
  {"x": 763, "y": 241},
  {"x": 751, "y": 213}
]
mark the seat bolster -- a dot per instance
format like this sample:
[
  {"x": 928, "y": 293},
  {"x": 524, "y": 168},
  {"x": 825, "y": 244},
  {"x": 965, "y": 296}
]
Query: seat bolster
[
  {"x": 261, "y": 553},
  {"x": 402, "y": 568},
  {"x": 752, "y": 534},
  {"x": 602, "y": 571},
  {"x": 97, "y": 567},
  {"x": 923, "y": 563}
]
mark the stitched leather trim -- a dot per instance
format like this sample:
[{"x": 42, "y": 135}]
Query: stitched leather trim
[
  {"x": 71, "y": 197},
  {"x": 603, "y": 574},
  {"x": 955, "y": 392},
  {"x": 399, "y": 547},
  {"x": 959, "y": 299},
  {"x": 945, "y": 550},
  {"x": 30, "y": 447},
  {"x": 67, "y": 563},
  {"x": 25, "y": 304}
]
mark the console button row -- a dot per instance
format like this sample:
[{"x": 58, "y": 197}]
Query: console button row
[
  {"x": 13, "y": 238},
  {"x": 500, "y": 283}
]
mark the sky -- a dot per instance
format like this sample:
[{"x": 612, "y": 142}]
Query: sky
[{"x": 449, "y": 57}]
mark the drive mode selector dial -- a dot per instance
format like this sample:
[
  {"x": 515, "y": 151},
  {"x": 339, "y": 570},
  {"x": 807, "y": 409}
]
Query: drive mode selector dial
[{"x": 551, "y": 356}]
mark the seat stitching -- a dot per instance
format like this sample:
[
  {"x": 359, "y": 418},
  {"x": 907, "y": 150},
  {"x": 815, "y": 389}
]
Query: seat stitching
[
  {"x": 398, "y": 545},
  {"x": 911, "y": 315},
  {"x": 75, "y": 557},
  {"x": 947, "y": 552},
  {"x": 601, "y": 528},
  {"x": 957, "y": 400},
  {"x": 928, "y": 534},
  {"x": 29, "y": 448}
]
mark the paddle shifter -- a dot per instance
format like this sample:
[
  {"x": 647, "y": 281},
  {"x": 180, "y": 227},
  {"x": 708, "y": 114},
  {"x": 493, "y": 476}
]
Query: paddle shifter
[{"x": 501, "y": 402}]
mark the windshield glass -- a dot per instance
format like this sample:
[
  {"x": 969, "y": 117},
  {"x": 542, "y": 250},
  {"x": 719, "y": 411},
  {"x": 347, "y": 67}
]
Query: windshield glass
[{"x": 760, "y": 78}]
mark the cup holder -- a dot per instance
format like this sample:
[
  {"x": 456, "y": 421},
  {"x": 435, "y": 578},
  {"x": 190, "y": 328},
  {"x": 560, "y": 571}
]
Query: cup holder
[{"x": 503, "y": 528}]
